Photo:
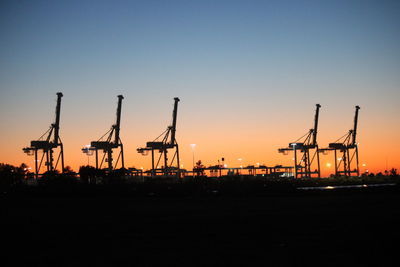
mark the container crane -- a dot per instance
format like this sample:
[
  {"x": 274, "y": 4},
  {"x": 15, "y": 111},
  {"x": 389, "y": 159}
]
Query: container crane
[
  {"x": 346, "y": 147},
  {"x": 307, "y": 145},
  {"x": 167, "y": 142},
  {"x": 113, "y": 141},
  {"x": 47, "y": 144}
]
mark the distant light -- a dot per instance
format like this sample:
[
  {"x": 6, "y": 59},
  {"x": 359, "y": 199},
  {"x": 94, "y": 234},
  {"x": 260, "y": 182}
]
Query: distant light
[
  {"x": 364, "y": 164},
  {"x": 240, "y": 159},
  {"x": 181, "y": 165},
  {"x": 241, "y": 166},
  {"x": 328, "y": 165},
  {"x": 225, "y": 165},
  {"x": 141, "y": 168}
]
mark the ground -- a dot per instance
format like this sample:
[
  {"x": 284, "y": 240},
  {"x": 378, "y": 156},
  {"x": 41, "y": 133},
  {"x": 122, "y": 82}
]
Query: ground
[{"x": 353, "y": 228}]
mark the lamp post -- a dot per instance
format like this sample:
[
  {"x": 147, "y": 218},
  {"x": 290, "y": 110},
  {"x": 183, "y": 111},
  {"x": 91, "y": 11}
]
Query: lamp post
[
  {"x": 365, "y": 167},
  {"x": 193, "y": 147}
]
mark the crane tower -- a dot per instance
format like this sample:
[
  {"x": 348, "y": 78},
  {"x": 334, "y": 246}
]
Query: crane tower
[
  {"x": 347, "y": 148},
  {"x": 167, "y": 142},
  {"x": 113, "y": 141},
  {"x": 307, "y": 146},
  {"x": 49, "y": 141}
]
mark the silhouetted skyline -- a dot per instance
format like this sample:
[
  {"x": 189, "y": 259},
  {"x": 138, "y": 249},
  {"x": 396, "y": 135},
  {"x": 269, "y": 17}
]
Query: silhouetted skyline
[{"x": 248, "y": 74}]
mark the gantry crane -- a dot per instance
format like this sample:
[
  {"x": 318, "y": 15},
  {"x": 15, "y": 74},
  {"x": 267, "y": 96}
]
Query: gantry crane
[
  {"x": 48, "y": 144},
  {"x": 347, "y": 148},
  {"x": 308, "y": 146},
  {"x": 113, "y": 141},
  {"x": 167, "y": 142}
]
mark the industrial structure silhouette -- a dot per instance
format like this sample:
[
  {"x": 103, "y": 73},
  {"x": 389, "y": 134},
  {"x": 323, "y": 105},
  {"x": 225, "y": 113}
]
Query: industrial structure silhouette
[
  {"x": 47, "y": 146},
  {"x": 305, "y": 152}
]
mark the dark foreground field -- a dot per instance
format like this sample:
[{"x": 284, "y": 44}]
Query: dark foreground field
[{"x": 352, "y": 228}]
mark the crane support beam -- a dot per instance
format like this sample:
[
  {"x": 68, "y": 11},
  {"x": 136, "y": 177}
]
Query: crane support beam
[
  {"x": 57, "y": 122},
  {"x": 118, "y": 123},
  {"x": 174, "y": 117},
  {"x": 354, "y": 134},
  {"x": 315, "y": 131}
]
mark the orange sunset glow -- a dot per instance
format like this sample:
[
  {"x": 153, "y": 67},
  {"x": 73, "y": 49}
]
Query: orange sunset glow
[
  {"x": 238, "y": 136},
  {"x": 247, "y": 86}
]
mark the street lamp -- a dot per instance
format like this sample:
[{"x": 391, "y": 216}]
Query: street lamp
[
  {"x": 328, "y": 165},
  {"x": 365, "y": 169},
  {"x": 193, "y": 147}
]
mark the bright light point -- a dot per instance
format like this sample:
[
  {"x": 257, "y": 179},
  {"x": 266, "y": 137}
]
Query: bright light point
[
  {"x": 328, "y": 165},
  {"x": 225, "y": 165},
  {"x": 239, "y": 158},
  {"x": 364, "y": 164},
  {"x": 141, "y": 168},
  {"x": 241, "y": 166},
  {"x": 181, "y": 165}
]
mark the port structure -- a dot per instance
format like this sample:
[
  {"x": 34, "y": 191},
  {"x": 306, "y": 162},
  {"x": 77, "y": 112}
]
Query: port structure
[
  {"x": 306, "y": 164},
  {"x": 164, "y": 142},
  {"x": 107, "y": 145},
  {"x": 346, "y": 151},
  {"x": 47, "y": 143}
]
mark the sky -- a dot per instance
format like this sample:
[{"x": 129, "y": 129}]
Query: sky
[{"x": 248, "y": 74}]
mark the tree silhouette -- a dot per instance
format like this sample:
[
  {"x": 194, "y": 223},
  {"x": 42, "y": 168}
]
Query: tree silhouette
[{"x": 10, "y": 175}]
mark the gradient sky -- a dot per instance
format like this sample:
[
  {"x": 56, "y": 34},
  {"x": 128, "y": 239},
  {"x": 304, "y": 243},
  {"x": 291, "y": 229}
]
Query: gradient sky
[{"x": 248, "y": 74}]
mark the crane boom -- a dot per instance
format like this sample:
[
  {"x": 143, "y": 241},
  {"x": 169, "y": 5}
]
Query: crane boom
[
  {"x": 315, "y": 131},
  {"x": 56, "y": 125},
  {"x": 118, "y": 123},
  {"x": 174, "y": 116},
  {"x": 354, "y": 133}
]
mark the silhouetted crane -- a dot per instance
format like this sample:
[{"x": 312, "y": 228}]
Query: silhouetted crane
[
  {"x": 48, "y": 144},
  {"x": 347, "y": 148},
  {"x": 308, "y": 146},
  {"x": 167, "y": 142},
  {"x": 109, "y": 144}
]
